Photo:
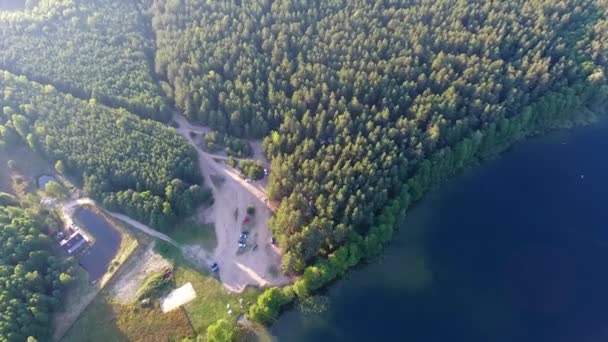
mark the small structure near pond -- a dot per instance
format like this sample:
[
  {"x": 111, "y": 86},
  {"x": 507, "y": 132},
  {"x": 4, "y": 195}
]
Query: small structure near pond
[{"x": 74, "y": 243}]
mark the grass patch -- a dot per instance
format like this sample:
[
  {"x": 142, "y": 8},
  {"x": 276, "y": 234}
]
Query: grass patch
[
  {"x": 191, "y": 232},
  {"x": 25, "y": 167},
  {"x": 104, "y": 321},
  {"x": 211, "y": 299},
  {"x": 211, "y": 296},
  {"x": 155, "y": 286},
  {"x": 96, "y": 324}
]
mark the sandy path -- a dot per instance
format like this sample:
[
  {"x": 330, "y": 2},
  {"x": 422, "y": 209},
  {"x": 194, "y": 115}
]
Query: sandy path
[{"x": 237, "y": 271}]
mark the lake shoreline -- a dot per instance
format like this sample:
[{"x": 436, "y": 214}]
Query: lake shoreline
[
  {"x": 555, "y": 139},
  {"x": 439, "y": 168}
]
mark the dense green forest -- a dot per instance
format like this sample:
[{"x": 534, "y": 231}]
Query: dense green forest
[
  {"x": 355, "y": 95},
  {"x": 31, "y": 279},
  {"x": 363, "y": 105},
  {"x": 90, "y": 48},
  {"x": 135, "y": 166}
]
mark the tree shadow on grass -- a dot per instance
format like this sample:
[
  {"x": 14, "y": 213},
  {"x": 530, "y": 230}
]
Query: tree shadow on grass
[{"x": 96, "y": 323}]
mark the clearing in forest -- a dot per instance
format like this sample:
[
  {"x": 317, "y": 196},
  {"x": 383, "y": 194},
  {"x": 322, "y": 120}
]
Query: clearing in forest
[{"x": 258, "y": 263}]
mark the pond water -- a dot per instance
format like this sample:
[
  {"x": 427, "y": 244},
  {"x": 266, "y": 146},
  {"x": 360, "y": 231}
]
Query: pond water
[
  {"x": 12, "y": 5},
  {"x": 44, "y": 180},
  {"x": 515, "y": 250},
  {"x": 98, "y": 257}
]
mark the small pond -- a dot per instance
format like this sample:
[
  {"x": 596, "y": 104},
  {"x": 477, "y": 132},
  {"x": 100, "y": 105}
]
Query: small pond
[
  {"x": 97, "y": 258},
  {"x": 44, "y": 180}
]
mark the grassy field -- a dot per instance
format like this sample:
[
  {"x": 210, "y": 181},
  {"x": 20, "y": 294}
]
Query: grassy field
[
  {"x": 26, "y": 167},
  {"x": 211, "y": 299},
  {"x": 105, "y": 320},
  {"x": 191, "y": 232}
]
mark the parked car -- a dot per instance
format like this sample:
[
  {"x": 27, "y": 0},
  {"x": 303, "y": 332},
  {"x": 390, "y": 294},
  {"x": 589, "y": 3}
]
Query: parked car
[
  {"x": 243, "y": 239},
  {"x": 215, "y": 267}
]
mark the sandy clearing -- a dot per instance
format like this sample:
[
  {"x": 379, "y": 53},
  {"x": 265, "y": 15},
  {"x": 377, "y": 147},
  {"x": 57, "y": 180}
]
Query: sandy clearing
[
  {"x": 257, "y": 267},
  {"x": 178, "y": 297},
  {"x": 134, "y": 273}
]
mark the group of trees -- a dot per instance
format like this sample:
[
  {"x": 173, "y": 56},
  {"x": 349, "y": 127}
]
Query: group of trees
[
  {"x": 91, "y": 48},
  {"x": 135, "y": 166},
  {"x": 555, "y": 110},
  {"x": 31, "y": 278},
  {"x": 232, "y": 146},
  {"x": 209, "y": 53},
  {"x": 364, "y": 105},
  {"x": 251, "y": 169},
  {"x": 356, "y": 95}
]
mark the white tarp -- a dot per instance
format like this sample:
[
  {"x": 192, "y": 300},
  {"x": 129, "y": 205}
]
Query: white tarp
[{"x": 178, "y": 297}]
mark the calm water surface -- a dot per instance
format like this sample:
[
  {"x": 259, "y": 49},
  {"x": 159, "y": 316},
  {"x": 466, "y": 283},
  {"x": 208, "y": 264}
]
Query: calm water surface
[
  {"x": 516, "y": 250},
  {"x": 98, "y": 257}
]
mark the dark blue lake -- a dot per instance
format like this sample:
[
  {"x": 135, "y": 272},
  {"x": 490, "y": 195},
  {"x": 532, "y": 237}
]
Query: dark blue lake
[
  {"x": 97, "y": 259},
  {"x": 515, "y": 250}
]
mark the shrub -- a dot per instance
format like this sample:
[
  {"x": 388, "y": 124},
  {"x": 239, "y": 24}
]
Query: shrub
[
  {"x": 221, "y": 331},
  {"x": 155, "y": 286}
]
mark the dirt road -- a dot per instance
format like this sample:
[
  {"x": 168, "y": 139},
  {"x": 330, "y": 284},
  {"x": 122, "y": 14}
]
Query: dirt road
[
  {"x": 259, "y": 266},
  {"x": 238, "y": 269},
  {"x": 185, "y": 128}
]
